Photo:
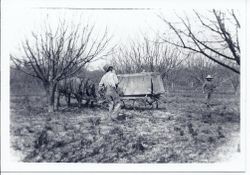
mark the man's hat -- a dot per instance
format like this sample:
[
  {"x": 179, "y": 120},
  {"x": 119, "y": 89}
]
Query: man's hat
[
  {"x": 209, "y": 77},
  {"x": 106, "y": 68}
]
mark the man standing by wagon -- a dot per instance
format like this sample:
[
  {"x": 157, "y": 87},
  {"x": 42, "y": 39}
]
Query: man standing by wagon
[
  {"x": 109, "y": 84},
  {"x": 208, "y": 88}
]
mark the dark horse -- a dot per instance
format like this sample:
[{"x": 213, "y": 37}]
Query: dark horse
[{"x": 78, "y": 88}]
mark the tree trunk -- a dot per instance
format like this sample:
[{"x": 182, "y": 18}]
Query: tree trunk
[
  {"x": 50, "y": 93},
  {"x": 58, "y": 100},
  {"x": 235, "y": 81},
  {"x": 68, "y": 99},
  {"x": 237, "y": 90}
]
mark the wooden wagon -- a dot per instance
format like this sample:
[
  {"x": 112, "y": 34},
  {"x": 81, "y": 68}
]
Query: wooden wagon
[{"x": 146, "y": 87}]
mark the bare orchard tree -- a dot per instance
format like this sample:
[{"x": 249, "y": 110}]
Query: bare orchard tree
[
  {"x": 235, "y": 82},
  {"x": 198, "y": 68},
  {"x": 213, "y": 35},
  {"x": 150, "y": 56},
  {"x": 53, "y": 55},
  {"x": 230, "y": 77}
]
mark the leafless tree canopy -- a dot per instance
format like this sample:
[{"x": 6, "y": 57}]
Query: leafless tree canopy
[
  {"x": 61, "y": 53},
  {"x": 214, "y": 37},
  {"x": 53, "y": 55},
  {"x": 199, "y": 68},
  {"x": 147, "y": 56}
]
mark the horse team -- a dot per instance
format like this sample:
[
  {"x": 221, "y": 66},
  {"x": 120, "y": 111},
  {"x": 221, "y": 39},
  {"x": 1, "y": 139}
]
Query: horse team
[{"x": 81, "y": 89}]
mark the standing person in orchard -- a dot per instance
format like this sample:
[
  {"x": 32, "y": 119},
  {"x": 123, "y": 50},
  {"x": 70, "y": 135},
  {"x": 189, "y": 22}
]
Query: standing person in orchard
[
  {"x": 208, "y": 89},
  {"x": 109, "y": 84}
]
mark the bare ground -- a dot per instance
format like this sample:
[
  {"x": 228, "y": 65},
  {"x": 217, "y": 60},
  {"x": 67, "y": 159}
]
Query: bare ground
[{"x": 182, "y": 130}]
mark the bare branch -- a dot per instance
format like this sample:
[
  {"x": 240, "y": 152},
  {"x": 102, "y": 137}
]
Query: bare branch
[{"x": 217, "y": 50}]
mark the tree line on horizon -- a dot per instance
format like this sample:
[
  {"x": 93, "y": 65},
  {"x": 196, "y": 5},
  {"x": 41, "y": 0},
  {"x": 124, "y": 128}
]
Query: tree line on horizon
[{"x": 53, "y": 55}]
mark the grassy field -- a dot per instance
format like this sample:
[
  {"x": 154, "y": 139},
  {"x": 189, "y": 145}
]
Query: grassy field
[{"x": 182, "y": 130}]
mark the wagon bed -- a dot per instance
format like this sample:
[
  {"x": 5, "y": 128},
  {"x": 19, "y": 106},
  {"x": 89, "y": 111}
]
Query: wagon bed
[{"x": 147, "y": 86}]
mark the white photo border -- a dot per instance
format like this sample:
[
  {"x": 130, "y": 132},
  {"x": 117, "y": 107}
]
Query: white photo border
[{"x": 234, "y": 167}]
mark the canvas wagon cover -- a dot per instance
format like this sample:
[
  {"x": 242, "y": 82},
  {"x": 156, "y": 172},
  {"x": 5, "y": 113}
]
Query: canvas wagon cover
[{"x": 141, "y": 83}]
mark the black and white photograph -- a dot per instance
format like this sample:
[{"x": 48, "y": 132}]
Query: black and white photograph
[{"x": 105, "y": 84}]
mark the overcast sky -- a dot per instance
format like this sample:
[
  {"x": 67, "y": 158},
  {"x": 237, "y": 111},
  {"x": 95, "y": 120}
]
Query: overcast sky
[{"x": 124, "y": 25}]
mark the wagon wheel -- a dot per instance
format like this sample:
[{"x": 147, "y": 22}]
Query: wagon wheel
[
  {"x": 149, "y": 100},
  {"x": 123, "y": 103},
  {"x": 153, "y": 99},
  {"x": 139, "y": 102},
  {"x": 158, "y": 99},
  {"x": 157, "y": 104}
]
